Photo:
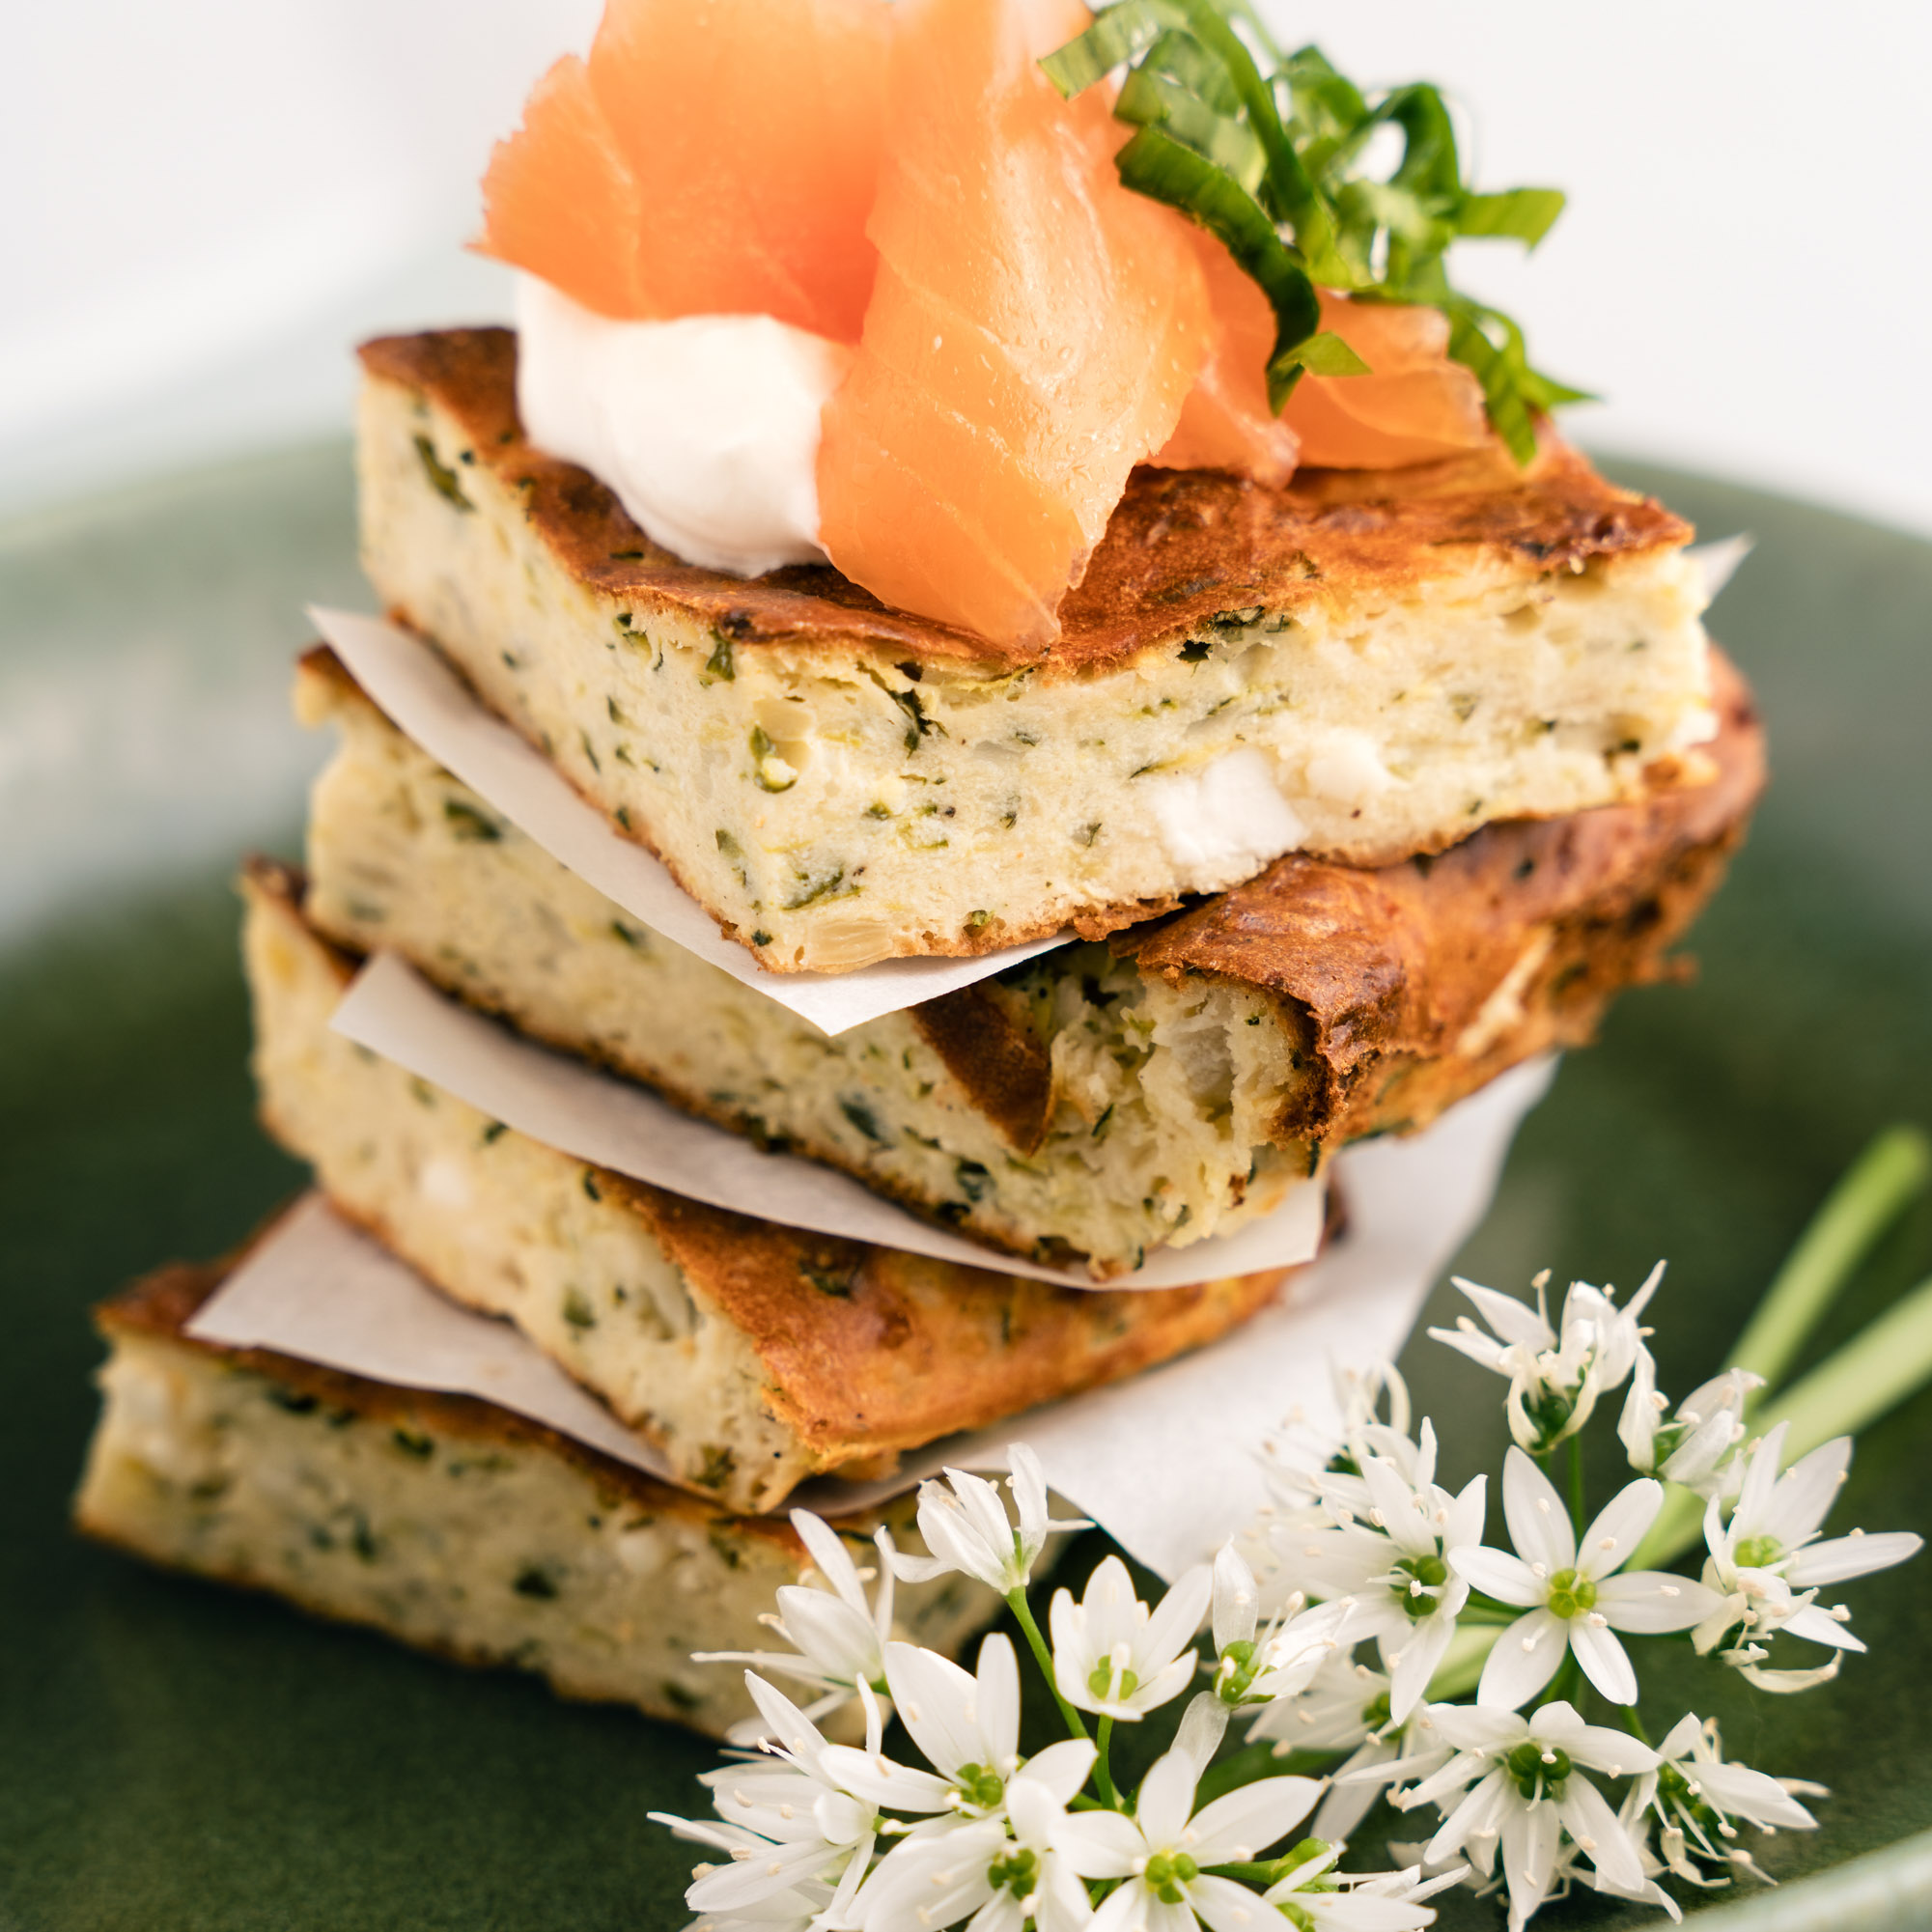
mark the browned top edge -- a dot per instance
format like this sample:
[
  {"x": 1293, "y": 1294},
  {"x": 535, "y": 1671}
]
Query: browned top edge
[
  {"x": 874, "y": 1349},
  {"x": 1184, "y": 549},
  {"x": 320, "y": 661}
]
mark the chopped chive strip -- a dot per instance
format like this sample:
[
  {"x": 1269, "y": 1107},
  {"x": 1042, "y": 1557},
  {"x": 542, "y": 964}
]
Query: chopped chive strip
[
  {"x": 1264, "y": 151},
  {"x": 1154, "y": 164},
  {"x": 443, "y": 480},
  {"x": 1120, "y": 35},
  {"x": 467, "y": 821}
]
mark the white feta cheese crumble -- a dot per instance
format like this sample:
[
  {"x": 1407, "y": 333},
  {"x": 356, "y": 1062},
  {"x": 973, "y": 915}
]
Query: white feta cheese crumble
[{"x": 1225, "y": 821}]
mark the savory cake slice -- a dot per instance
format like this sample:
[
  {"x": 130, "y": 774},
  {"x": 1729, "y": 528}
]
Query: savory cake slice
[
  {"x": 445, "y": 1521},
  {"x": 1360, "y": 665},
  {"x": 753, "y": 1355},
  {"x": 1103, "y": 1100}
]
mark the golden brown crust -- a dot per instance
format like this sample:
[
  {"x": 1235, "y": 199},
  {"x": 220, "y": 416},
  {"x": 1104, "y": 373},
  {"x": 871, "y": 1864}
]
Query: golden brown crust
[
  {"x": 875, "y": 1349},
  {"x": 320, "y": 660},
  {"x": 870, "y": 1351},
  {"x": 162, "y": 1304},
  {"x": 1391, "y": 969},
  {"x": 1001, "y": 1064},
  {"x": 1184, "y": 547},
  {"x": 1383, "y": 971}
]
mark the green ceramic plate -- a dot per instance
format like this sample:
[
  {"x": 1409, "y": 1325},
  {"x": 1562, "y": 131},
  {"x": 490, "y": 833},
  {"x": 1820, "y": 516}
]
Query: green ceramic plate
[{"x": 173, "y": 1755}]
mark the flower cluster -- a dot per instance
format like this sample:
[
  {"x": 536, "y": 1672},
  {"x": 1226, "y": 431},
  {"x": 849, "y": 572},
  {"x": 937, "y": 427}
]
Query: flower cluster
[
  {"x": 1372, "y": 1624},
  {"x": 1539, "y": 1627},
  {"x": 823, "y": 1837}
]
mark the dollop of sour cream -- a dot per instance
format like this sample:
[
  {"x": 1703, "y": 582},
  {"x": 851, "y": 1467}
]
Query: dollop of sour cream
[{"x": 706, "y": 428}]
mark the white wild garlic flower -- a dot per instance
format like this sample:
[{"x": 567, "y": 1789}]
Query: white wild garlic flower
[
  {"x": 964, "y": 1525},
  {"x": 1345, "y": 1709},
  {"x": 1556, "y": 1378},
  {"x": 1575, "y": 1598},
  {"x": 1315, "y": 1895},
  {"x": 1114, "y": 1656},
  {"x": 1514, "y": 1789},
  {"x": 838, "y": 1640},
  {"x": 1767, "y": 1565},
  {"x": 1696, "y": 1797},
  {"x": 784, "y": 1826},
  {"x": 1393, "y": 1563},
  {"x": 1003, "y": 1873},
  {"x": 1698, "y": 1446},
  {"x": 1164, "y": 1852},
  {"x": 1256, "y": 1663}
]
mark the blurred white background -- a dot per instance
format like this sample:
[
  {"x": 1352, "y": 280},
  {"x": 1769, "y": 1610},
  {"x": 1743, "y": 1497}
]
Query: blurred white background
[{"x": 213, "y": 199}]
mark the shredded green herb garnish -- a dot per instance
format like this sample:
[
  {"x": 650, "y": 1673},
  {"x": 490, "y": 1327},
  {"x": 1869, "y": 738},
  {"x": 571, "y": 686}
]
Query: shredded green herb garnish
[{"x": 1265, "y": 151}]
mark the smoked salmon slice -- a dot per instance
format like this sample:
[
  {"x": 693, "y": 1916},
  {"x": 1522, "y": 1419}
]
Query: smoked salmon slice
[
  {"x": 1415, "y": 405},
  {"x": 560, "y": 199},
  {"x": 900, "y": 175},
  {"x": 1033, "y": 331},
  {"x": 1225, "y": 423},
  {"x": 711, "y": 157}
]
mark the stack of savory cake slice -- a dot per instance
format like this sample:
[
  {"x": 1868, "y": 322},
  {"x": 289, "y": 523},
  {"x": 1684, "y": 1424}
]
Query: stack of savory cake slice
[
  {"x": 1348, "y": 797},
  {"x": 749, "y": 1356}
]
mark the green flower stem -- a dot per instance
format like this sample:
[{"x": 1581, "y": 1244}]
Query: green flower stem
[
  {"x": 1877, "y": 1368},
  {"x": 1880, "y": 1185},
  {"x": 1103, "y": 1770},
  {"x": 1023, "y": 1615},
  {"x": 1679, "y": 1524},
  {"x": 1461, "y": 1668},
  {"x": 1577, "y": 1484}
]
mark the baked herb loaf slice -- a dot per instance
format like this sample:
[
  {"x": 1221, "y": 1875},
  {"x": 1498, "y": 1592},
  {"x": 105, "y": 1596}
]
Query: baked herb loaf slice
[
  {"x": 1362, "y": 665},
  {"x": 450, "y": 1524},
  {"x": 753, "y": 1355},
  {"x": 1103, "y": 1100}
]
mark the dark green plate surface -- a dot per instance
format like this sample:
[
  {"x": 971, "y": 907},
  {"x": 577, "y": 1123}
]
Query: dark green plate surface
[{"x": 172, "y": 1755}]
